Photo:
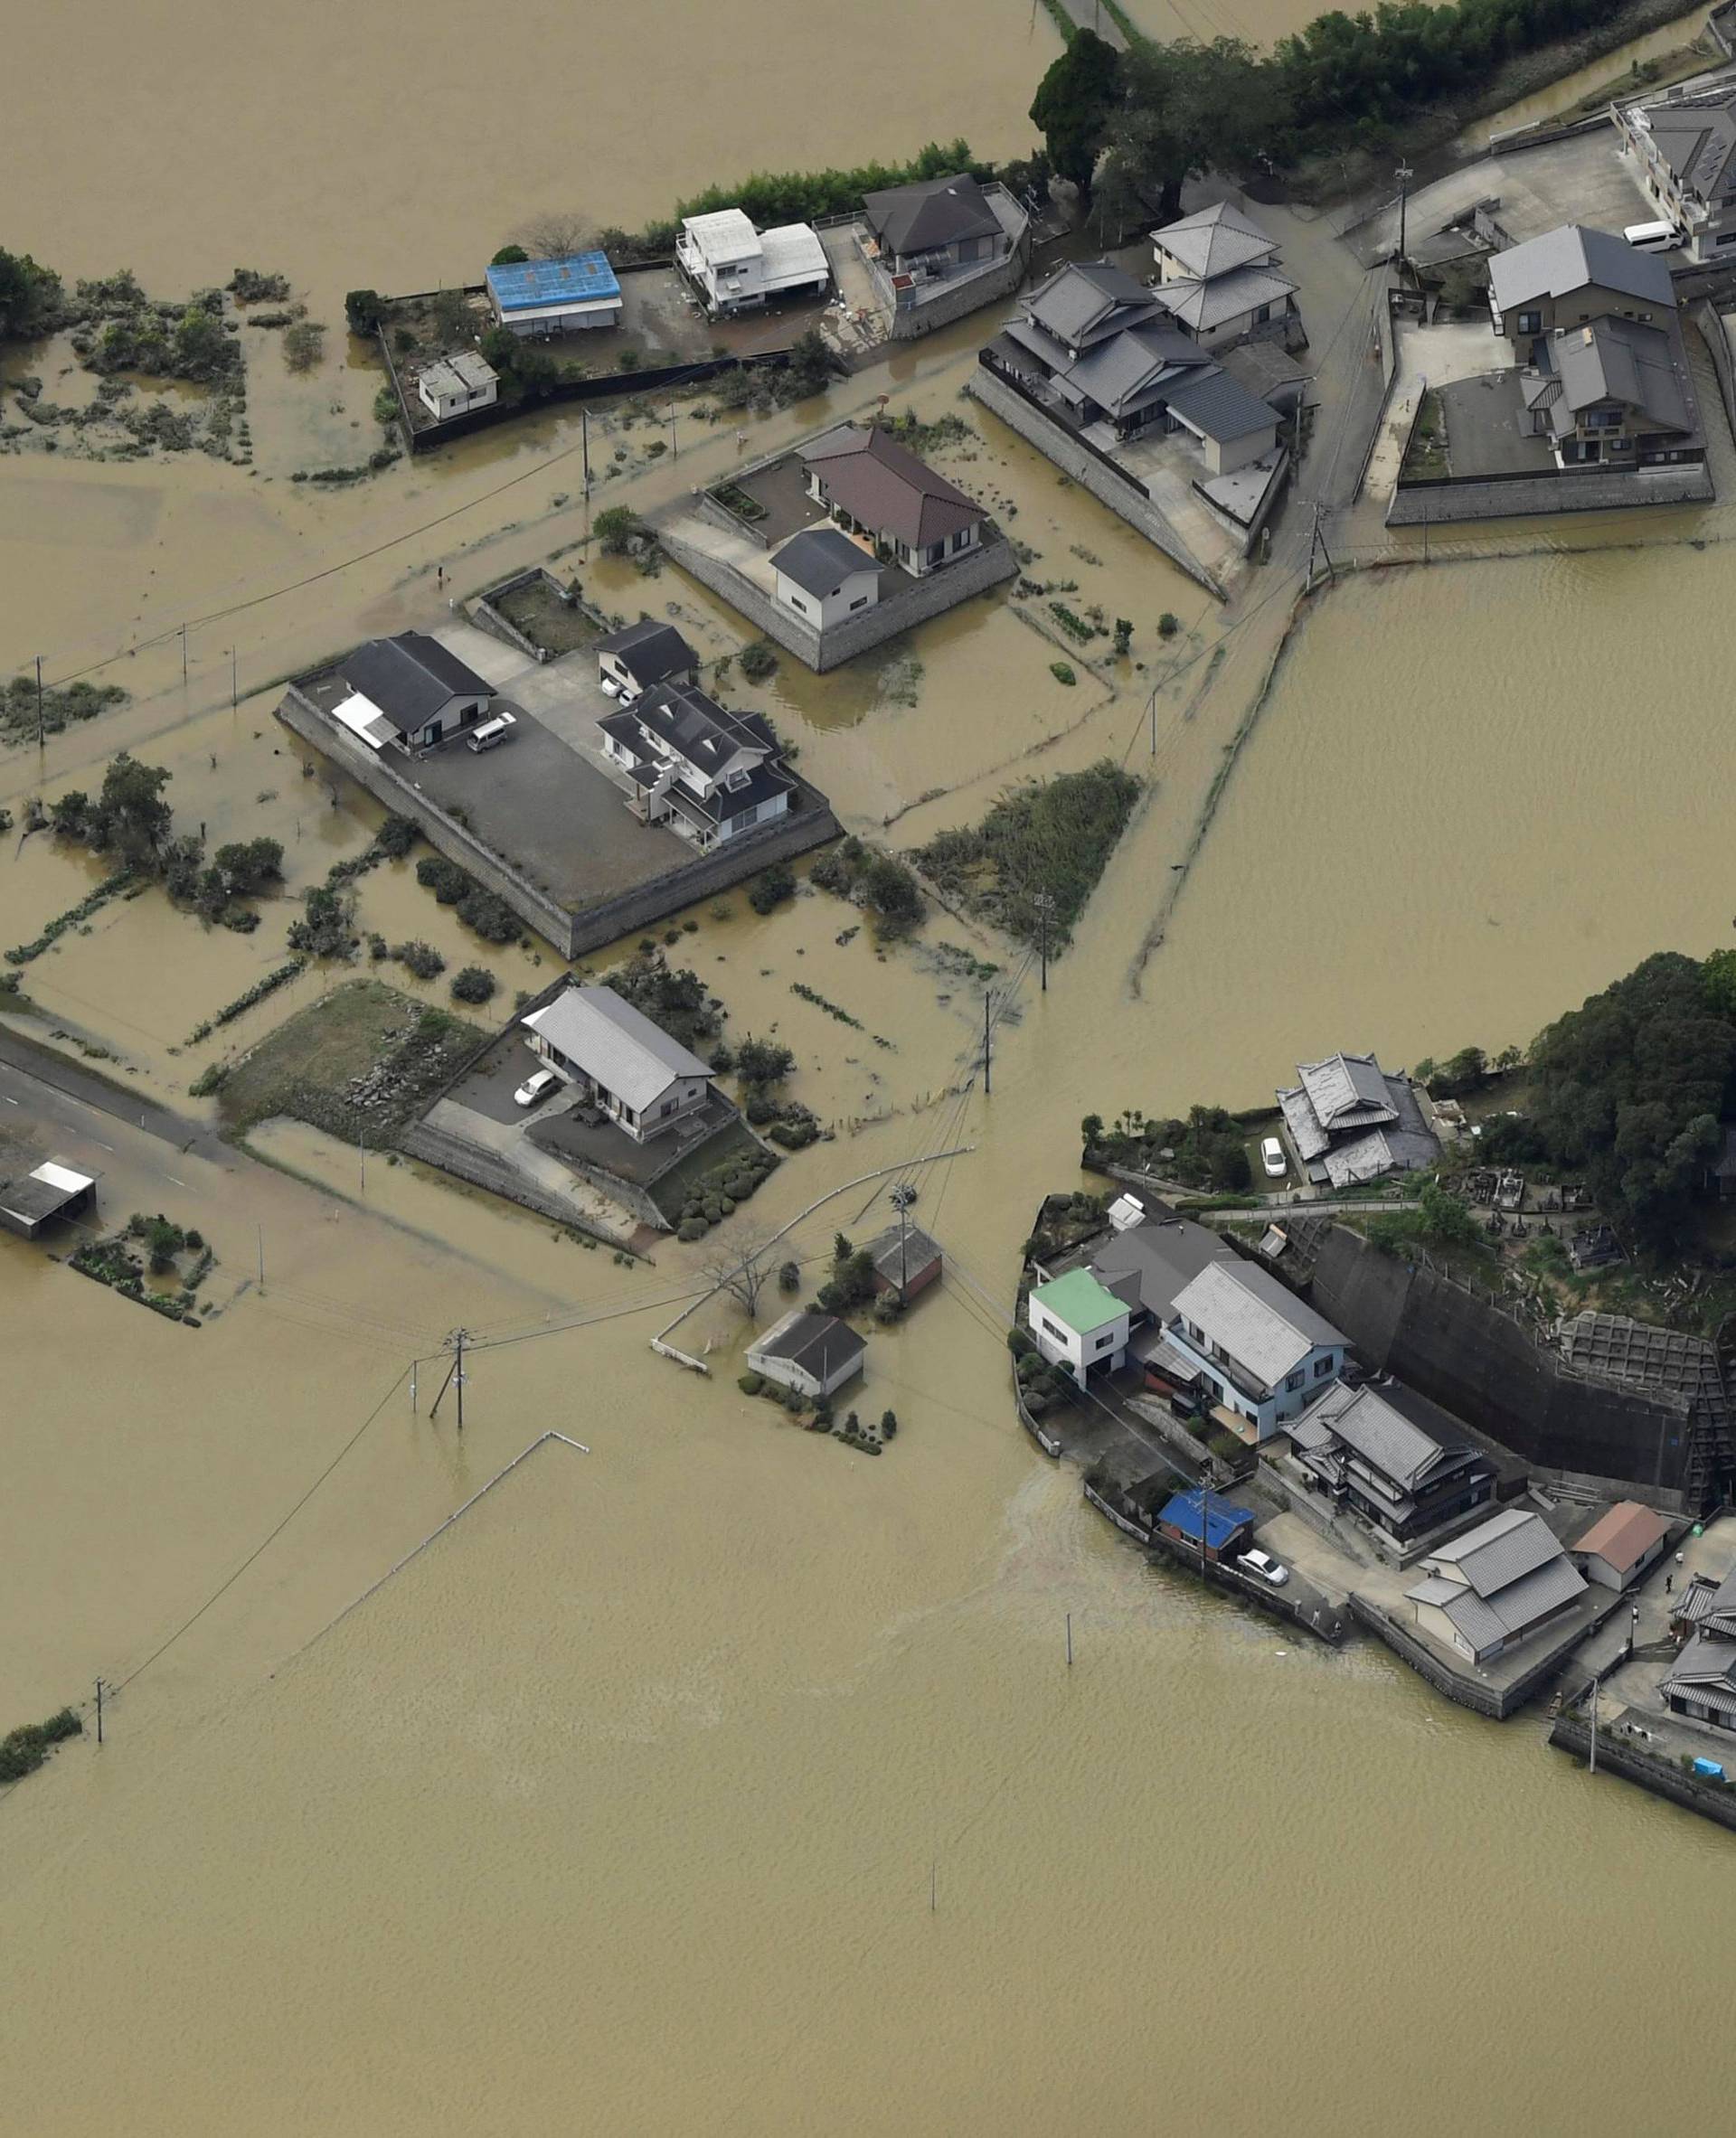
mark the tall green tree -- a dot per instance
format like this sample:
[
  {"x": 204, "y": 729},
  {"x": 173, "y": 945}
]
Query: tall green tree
[
  {"x": 1188, "y": 108},
  {"x": 28, "y": 294},
  {"x": 1073, "y": 105}
]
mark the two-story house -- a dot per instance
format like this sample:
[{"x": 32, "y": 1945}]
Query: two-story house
[
  {"x": 1496, "y": 1585},
  {"x": 934, "y": 228},
  {"x": 1684, "y": 149},
  {"x": 736, "y": 268},
  {"x": 1219, "y": 279},
  {"x": 872, "y": 486},
  {"x": 1349, "y": 1121},
  {"x": 632, "y": 659},
  {"x": 1079, "y": 1324},
  {"x": 707, "y": 772},
  {"x": 629, "y": 1068},
  {"x": 1267, "y": 1353},
  {"x": 1570, "y": 277},
  {"x": 1361, "y": 1452}
]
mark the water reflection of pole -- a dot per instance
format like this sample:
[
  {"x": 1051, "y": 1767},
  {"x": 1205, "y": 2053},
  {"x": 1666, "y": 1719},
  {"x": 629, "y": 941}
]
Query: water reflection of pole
[
  {"x": 40, "y": 730},
  {"x": 1044, "y": 905}
]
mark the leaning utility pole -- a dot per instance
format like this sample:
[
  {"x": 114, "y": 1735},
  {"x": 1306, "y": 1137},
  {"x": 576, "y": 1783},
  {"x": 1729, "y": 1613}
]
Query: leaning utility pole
[
  {"x": 39, "y": 701},
  {"x": 1044, "y": 905},
  {"x": 455, "y": 1375}
]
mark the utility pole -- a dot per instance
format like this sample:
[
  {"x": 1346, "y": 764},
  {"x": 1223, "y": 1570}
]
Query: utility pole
[
  {"x": 1045, "y": 906},
  {"x": 455, "y": 1374},
  {"x": 584, "y": 443},
  {"x": 234, "y": 693},
  {"x": 1152, "y": 709},
  {"x": 261, "y": 1231},
  {"x": 1070, "y": 1640},
  {"x": 988, "y": 1044},
  {"x": 1594, "y": 1723},
  {"x": 674, "y": 448},
  {"x": 1318, "y": 542},
  {"x": 184, "y": 653},
  {"x": 903, "y": 1196},
  {"x": 99, "y": 1691},
  {"x": 1405, "y": 174},
  {"x": 39, "y": 732}
]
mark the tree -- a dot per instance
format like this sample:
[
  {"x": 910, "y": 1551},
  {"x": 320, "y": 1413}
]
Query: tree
[
  {"x": 616, "y": 528},
  {"x": 743, "y": 1272},
  {"x": 555, "y": 234},
  {"x": 509, "y": 256},
  {"x": 201, "y": 345},
  {"x": 1090, "y": 1131},
  {"x": 69, "y": 813},
  {"x": 1188, "y": 107},
  {"x": 808, "y": 368},
  {"x": 763, "y": 1061},
  {"x": 891, "y": 892},
  {"x": 247, "y": 864},
  {"x": 1073, "y": 104},
  {"x": 364, "y": 309},
  {"x": 130, "y": 813},
  {"x": 29, "y": 295}
]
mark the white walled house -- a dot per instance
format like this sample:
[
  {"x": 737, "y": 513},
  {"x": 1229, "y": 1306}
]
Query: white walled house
[
  {"x": 626, "y": 1066},
  {"x": 1219, "y": 278},
  {"x": 410, "y": 691},
  {"x": 873, "y": 485},
  {"x": 1079, "y": 1324},
  {"x": 1496, "y": 1585},
  {"x": 707, "y": 772},
  {"x": 735, "y": 268},
  {"x": 824, "y": 576},
  {"x": 457, "y": 384},
  {"x": 644, "y": 653},
  {"x": 814, "y": 1354},
  {"x": 1266, "y": 1352}
]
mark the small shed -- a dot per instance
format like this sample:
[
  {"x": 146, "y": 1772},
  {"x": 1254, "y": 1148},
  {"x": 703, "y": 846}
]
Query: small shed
[
  {"x": 1618, "y": 1548},
  {"x": 1228, "y": 1529},
  {"x": 813, "y": 1353},
  {"x": 906, "y": 1259},
  {"x": 453, "y": 385},
  {"x": 52, "y": 1191}
]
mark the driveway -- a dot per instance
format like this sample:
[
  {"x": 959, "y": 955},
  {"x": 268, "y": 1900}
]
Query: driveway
[{"x": 1429, "y": 357}]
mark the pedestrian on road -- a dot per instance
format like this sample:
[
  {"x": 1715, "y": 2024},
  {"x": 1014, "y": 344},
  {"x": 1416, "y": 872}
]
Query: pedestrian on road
[{"x": 1669, "y": 1584}]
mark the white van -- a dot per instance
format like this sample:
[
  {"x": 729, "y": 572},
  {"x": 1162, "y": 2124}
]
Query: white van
[
  {"x": 492, "y": 732},
  {"x": 1653, "y": 236}
]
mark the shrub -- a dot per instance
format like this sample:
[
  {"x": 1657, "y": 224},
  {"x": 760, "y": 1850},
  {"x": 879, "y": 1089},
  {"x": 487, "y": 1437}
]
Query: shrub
[
  {"x": 763, "y": 1061},
  {"x": 1063, "y": 672},
  {"x": 751, "y": 1384},
  {"x": 693, "y": 1228},
  {"x": 395, "y": 837},
  {"x": 489, "y": 914},
  {"x": 789, "y": 1277},
  {"x": 771, "y": 887},
  {"x": 445, "y": 879},
  {"x": 364, "y": 309},
  {"x": 509, "y": 256},
  {"x": 615, "y": 529},
  {"x": 1168, "y": 625},
  {"x": 420, "y": 958},
  {"x": 758, "y": 661},
  {"x": 474, "y": 984},
  {"x": 888, "y": 1423},
  {"x": 1123, "y": 635}
]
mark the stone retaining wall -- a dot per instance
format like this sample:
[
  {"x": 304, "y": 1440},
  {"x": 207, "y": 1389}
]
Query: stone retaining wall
[
  {"x": 811, "y": 824},
  {"x": 974, "y": 573},
  {"x": 1439, "y": 503},
  {"x": 1625, "y": 1758},
  {"x": 1123, "y": 496},
  {"x": 959, "y": 303},
  {"x": 1468, "y": 1690}
]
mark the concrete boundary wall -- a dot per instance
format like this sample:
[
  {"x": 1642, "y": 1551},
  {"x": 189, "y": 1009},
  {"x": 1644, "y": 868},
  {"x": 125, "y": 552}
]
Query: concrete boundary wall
[
  {"x": 479, "y": 1169},
  {"x": 916, "y": 603},
  {"x": 1495, "y": 1701},
  {"x": 1118, "y": 493},
  {"x": 1710, "y": 321},
  {"x": 1437, "y": 504},
  {"x": 1616, "y": 1756},
  {"x": 969, "y": 296},
  {"x": 810, "y": 823}
]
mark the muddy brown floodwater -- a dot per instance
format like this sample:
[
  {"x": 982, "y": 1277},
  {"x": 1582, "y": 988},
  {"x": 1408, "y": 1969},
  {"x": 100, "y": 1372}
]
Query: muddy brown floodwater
[{"x": 723, "y": 1780}]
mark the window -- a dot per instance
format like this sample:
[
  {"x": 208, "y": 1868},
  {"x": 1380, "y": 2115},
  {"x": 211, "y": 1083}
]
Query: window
[
  {"x": 936, "y": 551},
  {"x": 1294, "y": 1382},
  {"x": 961, "y": 538},
  {"x": 1104, "y": 1342},
  {"x": 796, "y": 601},
  {"x": 737, "y": 781},
  {"x": 1529, "y": 323},
  {"x": 746, "y": 817},
  {"x": 861, "y": 602},
  {"x": 1322, "y": 1367}
]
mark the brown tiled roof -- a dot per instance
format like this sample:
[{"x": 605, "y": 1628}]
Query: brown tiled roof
[
  {"x": 1624, "y": 1534},
  {"x": 885, "y": 487}
]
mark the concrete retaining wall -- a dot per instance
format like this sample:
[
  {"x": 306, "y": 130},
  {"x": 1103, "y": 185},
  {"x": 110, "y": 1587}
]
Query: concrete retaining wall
[
  {"x": 1441, "y": 503},
  {"x": 958, "y": 304},
  {"x": 1619, "y": 1757},
  {"x": 1467, "y": 1691},
  {"x": 1247, "y": 1590},
  {"x": 1118, "y": 491},
  {"x": 572, "y": 934},
  {"x": 970, "y": 575},
  {"x": 481, "y": 1169},
  {"x": 1706, "y": 317}
]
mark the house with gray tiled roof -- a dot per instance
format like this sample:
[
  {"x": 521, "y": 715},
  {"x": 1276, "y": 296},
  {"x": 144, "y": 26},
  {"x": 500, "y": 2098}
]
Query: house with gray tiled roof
[
  {"x": 1348, "y": 1122},
  {"x": 1496, "y": 1586},
  {"x": 1219, "y": 278},
  {"x": 1263, "y": 1355},
  {"x": 1683, "y": 149},
  {"x": 1364, "y": 1455}
]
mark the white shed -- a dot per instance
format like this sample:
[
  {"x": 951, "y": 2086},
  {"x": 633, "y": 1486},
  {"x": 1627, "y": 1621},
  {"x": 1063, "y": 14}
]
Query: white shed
[{"x": 824, "y": 577}]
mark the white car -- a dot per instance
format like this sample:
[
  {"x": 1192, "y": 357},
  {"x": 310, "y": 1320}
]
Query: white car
[
  {"x": 1271, "y": 1156},
  {"x": 535, "y": 1088},
  {"x": 1263, "y": 1563},
  {"x": 607, "y": 685}
]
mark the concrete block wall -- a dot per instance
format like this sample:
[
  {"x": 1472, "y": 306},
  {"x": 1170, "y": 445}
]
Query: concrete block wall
[
  {"x": 1057, "y": 444},
  {"x": 959, "y": 303},
  {"x": 971, "y": 574},
  {"x": 1441, "y": 503}
]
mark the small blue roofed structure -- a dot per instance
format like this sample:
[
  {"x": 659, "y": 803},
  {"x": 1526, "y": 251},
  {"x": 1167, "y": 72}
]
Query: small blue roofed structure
[
  {"x": 555, "y": 296},
  {"x": 1709, "y": 1768},
  {"x": 1227, "y": 1526}
]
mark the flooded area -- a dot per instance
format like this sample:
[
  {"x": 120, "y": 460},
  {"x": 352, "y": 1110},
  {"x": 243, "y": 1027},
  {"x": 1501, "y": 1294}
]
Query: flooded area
[{"x": 724, "y": 1779}]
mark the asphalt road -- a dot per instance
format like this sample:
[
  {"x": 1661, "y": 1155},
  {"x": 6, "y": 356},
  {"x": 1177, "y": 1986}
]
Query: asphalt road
[{"x": 51, "y": 1088}]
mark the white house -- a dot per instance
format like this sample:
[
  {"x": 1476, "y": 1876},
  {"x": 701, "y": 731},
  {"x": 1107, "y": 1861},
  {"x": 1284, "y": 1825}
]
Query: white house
[
  {"x": 735, "y": 267},
  {"x": 814, "y": 1354},
  {"x": 824, "y": 576},
  {"x": 457, "y": 384},
  {"x": 1218, "y": 277},
  {"x": 1079, "y": 1324},
  {"x": 576, "y": 294},
  {"x": 644, "y": 653},
  {"x": 631, "y": 1070},
  {"x": 409, "y": 689},
  {"x": 707, "y": 772},
  {"x": 1625, "y": 1541},
  {"x": 1266, "y": 1352},
  {"x": 1496, "y": 1585}
]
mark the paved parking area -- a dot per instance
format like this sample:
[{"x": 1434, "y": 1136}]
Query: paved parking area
[
  {"x": 1584, "y": 180},
  {"x": 1428, "y": 356},
  {"x": 1487, "y": 431}
]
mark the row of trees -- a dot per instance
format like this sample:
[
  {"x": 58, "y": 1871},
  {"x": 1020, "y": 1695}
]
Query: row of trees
[{"x": 1133, "y": 126}]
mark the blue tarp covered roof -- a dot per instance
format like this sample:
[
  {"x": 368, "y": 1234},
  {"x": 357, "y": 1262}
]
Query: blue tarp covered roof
[
  {"x": 528, "y": 284},
  {"x": 1182, "y": 1512}
]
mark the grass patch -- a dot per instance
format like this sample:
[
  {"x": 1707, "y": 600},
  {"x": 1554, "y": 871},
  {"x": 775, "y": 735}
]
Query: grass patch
[
  {"x": 1054, "y": 836},
  {"x": 360, "y": 1064},
  {"x": 1426, "y": 454},
  {"x": 541, "y": 610},
  {"x": 724, "y": 1157},
  {"x": 61, "y": 705}
]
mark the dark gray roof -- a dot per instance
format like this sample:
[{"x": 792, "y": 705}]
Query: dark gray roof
[
  {"x": 820, "y": 560},
  {"x": 1084, "y": 295},
  {"x": 1509, "y": 1611},
  {"x": 1165, "y": 1257},
  {"x": 650, "y": 651},
  {"x": 1116, "y": 369},
  {"x": 818, "y": 1341},
  {"x": 1208, "y": 305},
  {"x": 1365, "y": 1421},
  {"x": 913, "y": 1253},
  {"x": 690, "y": 722},
  {"x": 1697, "y": 141},
  {"x": 1569, "y": 258},
  {"x": 1704, "y": 1661},
  {"x": 1216, "y": 239},
  {"x": 1619, "y": 360},
  {"x": 1220, "y": 407},
  {"x": 411, "y": 677},
  {"x": 935, "y": 211}
]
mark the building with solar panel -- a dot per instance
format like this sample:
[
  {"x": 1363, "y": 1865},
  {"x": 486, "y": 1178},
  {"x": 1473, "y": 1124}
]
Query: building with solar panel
[{"x": 555, "y": 296}]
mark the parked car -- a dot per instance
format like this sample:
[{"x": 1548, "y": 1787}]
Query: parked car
[
  {"x": 1263, "y": 1563},
  {"x": 535, "y": 1088},
  {"x": 1271, "y": 1156},
  {"x": 607, "y": 685}
]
